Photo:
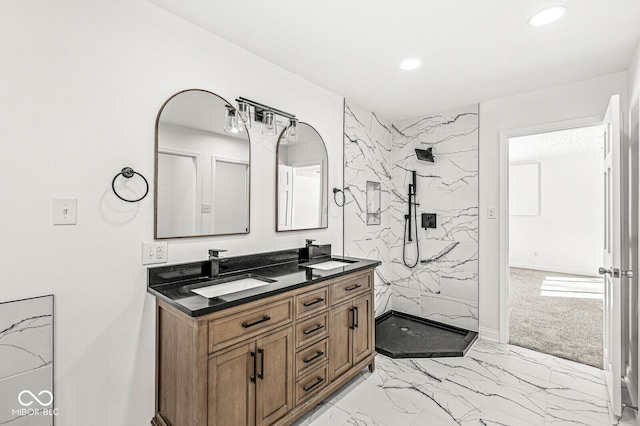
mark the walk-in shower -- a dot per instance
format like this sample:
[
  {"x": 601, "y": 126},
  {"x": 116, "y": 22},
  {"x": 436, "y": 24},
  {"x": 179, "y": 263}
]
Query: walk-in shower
[{"x": 400, "y": 335}]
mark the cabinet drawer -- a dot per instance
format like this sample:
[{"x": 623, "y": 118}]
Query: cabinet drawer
[
  {"x": 311, "y": 302},
  {"x": 345, "y": 289},
  {"x": 311, "y": 384},
  {"x": 312, "y": 329},
  {"x": 248, "y": 323},
  {"x": 309, "y": 358}
]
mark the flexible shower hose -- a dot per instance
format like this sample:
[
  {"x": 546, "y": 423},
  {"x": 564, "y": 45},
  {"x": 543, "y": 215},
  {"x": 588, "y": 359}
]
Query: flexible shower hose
[{"x": 404, "y": 239}]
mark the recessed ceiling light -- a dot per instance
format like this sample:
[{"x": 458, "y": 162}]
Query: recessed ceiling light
[
  {"x": 547, "y": 16},
  {"x": 410, "y": 64}
]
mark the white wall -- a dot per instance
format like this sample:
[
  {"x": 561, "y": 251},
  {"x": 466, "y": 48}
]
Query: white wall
[
  {"x": 562, "y": 103},
  {"x": 81, "y": 85},
  {"x": 567, "y": 235}
]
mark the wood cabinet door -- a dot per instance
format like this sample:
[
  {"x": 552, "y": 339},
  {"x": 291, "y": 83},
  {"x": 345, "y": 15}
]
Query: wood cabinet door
[
  {"x": 274, "y": 393},
  {"x": 340, "y": 340},
  {"x": 362, "y": 331},
  {"x": 231, "y": 392}
]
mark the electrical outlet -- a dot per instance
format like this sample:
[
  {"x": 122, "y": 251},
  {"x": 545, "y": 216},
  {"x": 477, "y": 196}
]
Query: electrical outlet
[
  {"x": 154, "y": 253},
  {"x": 206, "y": 208}
]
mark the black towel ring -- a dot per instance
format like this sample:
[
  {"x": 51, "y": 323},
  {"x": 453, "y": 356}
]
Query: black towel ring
[
  {"x": 335, "y": 191},
  {"x": 128, "y": 172}
]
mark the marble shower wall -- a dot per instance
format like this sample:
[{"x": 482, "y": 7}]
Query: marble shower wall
[
  {"x": 26, "y": 360},
  {"x": 367, "y": 157},
  {"x": 443, "y": 286}
]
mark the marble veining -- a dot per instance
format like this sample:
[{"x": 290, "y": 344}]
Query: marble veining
[
  {"x": 367, "y": 157},
  {"x": 26, "y": 356},
  {"x": 493, "y": 385},
  {"x": 445, "y": 280}
]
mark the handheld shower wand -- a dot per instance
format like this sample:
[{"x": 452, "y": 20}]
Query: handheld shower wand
[{"x": 407, "y": 221}]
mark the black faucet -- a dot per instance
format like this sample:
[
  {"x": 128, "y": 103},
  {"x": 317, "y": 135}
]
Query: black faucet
[
  {"x": 312, "y": 250},
  {"x": 215, "y": 262}
]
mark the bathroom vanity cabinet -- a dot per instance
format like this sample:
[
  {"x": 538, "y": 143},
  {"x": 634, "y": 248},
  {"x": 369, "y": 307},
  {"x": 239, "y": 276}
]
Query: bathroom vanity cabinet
[{"x": 267, "y": 361}]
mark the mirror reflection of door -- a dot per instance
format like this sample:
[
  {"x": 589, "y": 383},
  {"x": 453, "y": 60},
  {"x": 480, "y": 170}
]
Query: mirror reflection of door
[
  {"x": 302, "y": 187},
  {"x": 285, "y": 197},
  {"x": 306, "y": 210},
  {"x": 177, "y": 193},
  {"x": 230, "y": 205}
]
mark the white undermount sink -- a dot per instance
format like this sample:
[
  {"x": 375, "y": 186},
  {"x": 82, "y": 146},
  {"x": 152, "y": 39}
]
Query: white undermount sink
[
  {"x": 329, "y": 264},
  {"x": 230, "y": 287}
]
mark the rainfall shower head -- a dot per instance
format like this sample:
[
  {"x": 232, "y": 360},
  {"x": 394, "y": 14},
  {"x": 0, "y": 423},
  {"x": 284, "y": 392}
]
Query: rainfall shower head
[{"x": 425, "y": 154}]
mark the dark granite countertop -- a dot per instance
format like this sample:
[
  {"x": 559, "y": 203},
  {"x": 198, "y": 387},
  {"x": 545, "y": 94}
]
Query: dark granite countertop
[{"x": 173, "y": 283}]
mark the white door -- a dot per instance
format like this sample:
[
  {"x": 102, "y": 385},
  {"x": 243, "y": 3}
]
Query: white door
[
  {"x": 285, "y": 192},
  {"x": 230, "y": 198},
  {"x": 177, "y": 195},
  {"x": 614, "y": 260}
]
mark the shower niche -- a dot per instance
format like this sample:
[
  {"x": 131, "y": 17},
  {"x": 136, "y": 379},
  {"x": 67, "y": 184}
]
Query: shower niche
[{"x": 373, "y": 203}]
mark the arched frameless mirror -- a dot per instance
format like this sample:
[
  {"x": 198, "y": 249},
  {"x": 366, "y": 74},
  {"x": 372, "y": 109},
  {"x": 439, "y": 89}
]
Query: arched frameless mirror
[
  {"x": 202, "y": 179},
  {"x": 301, "y": 180}
]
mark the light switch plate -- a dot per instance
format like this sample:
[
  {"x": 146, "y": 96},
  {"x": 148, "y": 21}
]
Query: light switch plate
[
  {"x": 65, "y": 211},
  {"x": 492, "y": 212}
]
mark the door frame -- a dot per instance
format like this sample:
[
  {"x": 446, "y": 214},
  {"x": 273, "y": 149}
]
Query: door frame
[{"x": 503, "y": 213}]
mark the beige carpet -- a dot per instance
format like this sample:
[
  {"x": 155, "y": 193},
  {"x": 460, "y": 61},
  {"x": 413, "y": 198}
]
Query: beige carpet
[{"x": 557, "y": 314}]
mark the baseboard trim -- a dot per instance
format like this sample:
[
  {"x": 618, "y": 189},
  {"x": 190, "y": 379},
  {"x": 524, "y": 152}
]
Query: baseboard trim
[
  {"x": 489, "y": 334},
  {"x": 548, "y": 268}
]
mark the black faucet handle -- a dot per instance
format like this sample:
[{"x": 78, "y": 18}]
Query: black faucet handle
[
  {"x": 215, "y": 252},
  {"x": 309, "y": 243}
]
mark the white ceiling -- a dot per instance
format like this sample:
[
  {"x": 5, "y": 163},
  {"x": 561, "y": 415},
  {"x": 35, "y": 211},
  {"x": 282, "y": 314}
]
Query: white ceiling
[
  {"x": 577, "y": 141},
  {"x": 471, "y": 51}
]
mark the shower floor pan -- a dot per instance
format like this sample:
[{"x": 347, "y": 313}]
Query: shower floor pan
[{"x": 400, "y": 335}]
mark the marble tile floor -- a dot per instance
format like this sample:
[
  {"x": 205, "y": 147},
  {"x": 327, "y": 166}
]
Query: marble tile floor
[{"x": 493, "y": 384}]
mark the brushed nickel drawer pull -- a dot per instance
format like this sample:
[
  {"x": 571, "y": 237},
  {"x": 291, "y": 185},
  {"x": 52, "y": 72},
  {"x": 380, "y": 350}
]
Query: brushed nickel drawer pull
[
  {"x": 251, "y": 324},
  {"x": 318, "y": 381},
  {"x": 353, "y": 287},
  {"x": 319, "y": 327},
  {"x": 318, "y": 300},
  {"x": 316, "y": 356}
]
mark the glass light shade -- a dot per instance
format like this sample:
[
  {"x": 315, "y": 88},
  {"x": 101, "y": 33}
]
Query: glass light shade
[
  {"x": 292, "y": 130},
  {"x": 269, "y": 127},
  {"x": 230, "y": 121},
  {"x": 244, "y": 112}
]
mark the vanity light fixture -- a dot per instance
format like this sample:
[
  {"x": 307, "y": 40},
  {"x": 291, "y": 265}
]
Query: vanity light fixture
[
  {"x": 547, "y": 16},
  {"x": 410, "y": 64},
  {"x": 244, "y": 112},
  {"x": 292, "y": 130},
  {"x": 266, "y": 115},
  {"x": 269, "y": 127},
  {"x": 230, "y": 120}
]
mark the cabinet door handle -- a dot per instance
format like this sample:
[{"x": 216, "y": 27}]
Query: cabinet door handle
[
  {"x": 318, "y": 327},
  {"x": 353, "y": 318},
  {"x": 253, "y": 378},
  {"x": 356, "y": 320},
  {"x": 353, "y": 287},
  {"x": 251, "y": 324},
  {"x": 316, "y": 356},
  {"x": 318, "y": 300},
  {"x": 261, "y": 373},
  {"x": 318, "y": 381}
]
